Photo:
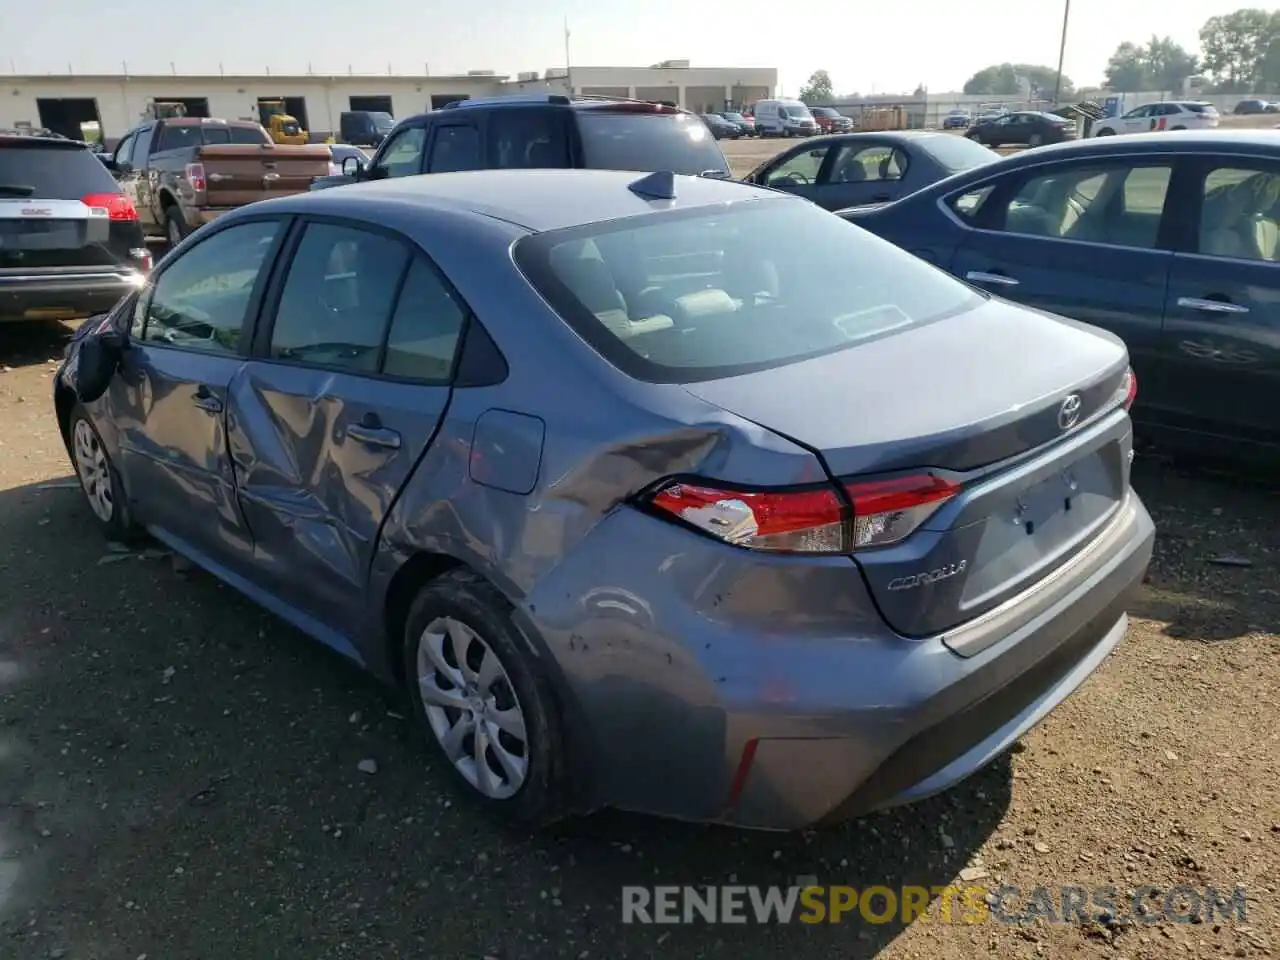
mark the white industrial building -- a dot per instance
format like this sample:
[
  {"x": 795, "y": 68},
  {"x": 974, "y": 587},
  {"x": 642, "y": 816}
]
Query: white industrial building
[{"x": 63, "y": 103}]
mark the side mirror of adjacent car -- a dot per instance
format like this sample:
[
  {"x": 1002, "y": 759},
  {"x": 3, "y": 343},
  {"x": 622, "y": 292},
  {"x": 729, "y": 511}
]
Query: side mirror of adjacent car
[
  {"x": 352, "y": 167},
  {"x": 96, "y": 362}
]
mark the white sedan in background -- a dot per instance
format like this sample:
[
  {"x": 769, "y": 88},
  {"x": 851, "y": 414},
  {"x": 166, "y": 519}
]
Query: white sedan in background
[{"x": 1170, "y": 115}]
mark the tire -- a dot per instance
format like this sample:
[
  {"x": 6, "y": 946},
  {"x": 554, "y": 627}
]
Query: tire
[
  {"x": 98, "y": 478},
  {"x": 460, "y": 618},
  {"x": 1105, "y": 132},
  {"x": 175, "y": 227}
]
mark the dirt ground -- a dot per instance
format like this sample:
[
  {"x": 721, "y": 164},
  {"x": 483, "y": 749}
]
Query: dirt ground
[{"x": 179, "y": 774}]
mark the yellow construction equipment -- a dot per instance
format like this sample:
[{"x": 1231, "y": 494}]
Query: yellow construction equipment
[{"x": 282, "y": 126}]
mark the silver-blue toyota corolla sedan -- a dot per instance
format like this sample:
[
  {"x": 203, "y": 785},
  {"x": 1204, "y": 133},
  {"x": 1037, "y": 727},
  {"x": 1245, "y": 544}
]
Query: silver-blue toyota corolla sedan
[{"x": 662, "y": 493}]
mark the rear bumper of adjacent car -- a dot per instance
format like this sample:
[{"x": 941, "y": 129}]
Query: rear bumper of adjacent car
[
  {"x": 63, "y": 294},
  {"x": 693, "y": 712}
]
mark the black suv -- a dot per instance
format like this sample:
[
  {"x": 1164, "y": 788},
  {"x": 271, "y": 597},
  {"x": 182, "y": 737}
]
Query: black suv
[
  {"x": 546, "y": 131},
  {"x": 70, "y": 242}
]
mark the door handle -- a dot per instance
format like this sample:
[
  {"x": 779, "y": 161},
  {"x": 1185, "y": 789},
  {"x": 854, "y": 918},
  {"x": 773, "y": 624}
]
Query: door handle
[
  {"x": 206, "y": 401},
  {"x": 999, "y": 279},
  {"x": 1211, "y": 306},
  {"x": 374, "y": 436}
]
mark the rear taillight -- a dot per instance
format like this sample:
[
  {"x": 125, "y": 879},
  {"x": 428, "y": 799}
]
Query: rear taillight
[
  {"x": 794, "y": 521},
  {"x": 808, "y": 520},
  {"x": 196, "y": 177},
  {"x": 888, "y": 511},
  {"x": 116, "y": 205},
  {"x": 1127, "y": 392}
]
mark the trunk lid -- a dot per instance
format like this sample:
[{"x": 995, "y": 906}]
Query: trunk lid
[
  {"x": 237, "y": 174},
  {"x": 39, "y": 233},
  {"x": 985, "y": 400}
]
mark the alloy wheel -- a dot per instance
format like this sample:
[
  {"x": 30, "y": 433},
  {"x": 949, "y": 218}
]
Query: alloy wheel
[
  {"x": 94, "y": 471},
  {"x": 472, "y": 708}
]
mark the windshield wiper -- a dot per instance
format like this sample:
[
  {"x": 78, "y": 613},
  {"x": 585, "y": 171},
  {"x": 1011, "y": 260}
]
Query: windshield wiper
[{"x": 16, "y": 189}]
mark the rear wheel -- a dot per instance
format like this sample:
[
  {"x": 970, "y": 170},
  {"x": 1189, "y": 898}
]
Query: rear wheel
[
  {"x": 175, "y": 225},
  {"x": 487, "y": 713}
]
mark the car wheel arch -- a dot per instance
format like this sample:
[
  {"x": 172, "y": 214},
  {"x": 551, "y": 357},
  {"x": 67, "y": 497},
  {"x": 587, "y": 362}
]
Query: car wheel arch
[{"x": 64, "y": 401}]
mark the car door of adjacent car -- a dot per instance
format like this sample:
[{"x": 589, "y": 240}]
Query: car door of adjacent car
[
  {"x": 862, "y": 172},
  {"x": 189, "y": 336},
  {"x": 350, "y": 376},
  {"x": 1087, "y": 241},
  {"x": 1136, "y": 121},
  {"x": 1221, "y": 339},
  {"x": 797, "y": 171}
]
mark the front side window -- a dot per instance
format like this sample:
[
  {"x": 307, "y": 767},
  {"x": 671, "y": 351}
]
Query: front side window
[
  {"x": 200, "y": 301},
  {"x": 178, "y": 137},
  {"x": 1114, "y": 204},
  {"x": 1240, "y": 213},
  {"x": 403, "y": 154},
  {"x": 798, "y": 170},
  {"x": 1138, "y": 113},
  {"x": 456, "y": 146},
  {"x": 338, "y": 298},
  {"x": 681, "y": 296}
]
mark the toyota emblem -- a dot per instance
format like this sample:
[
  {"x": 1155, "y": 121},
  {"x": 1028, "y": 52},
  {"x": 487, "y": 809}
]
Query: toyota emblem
[{"x": 1069, "y": 412}]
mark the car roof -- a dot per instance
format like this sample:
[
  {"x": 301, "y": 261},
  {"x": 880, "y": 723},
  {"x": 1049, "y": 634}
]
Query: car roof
[
  {"x": 31, "y": 141},
  {"x": 899, "y": 136},
  {"x": 1169, "y": 141},
  {"x": 535, "y": 200}
]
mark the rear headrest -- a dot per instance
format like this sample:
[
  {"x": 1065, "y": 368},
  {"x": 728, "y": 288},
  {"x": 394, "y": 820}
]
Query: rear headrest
[{"x": 591, "y": 282}]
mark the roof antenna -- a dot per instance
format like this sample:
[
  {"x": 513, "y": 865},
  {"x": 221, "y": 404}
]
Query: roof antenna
[{"x": 659, "y": 185}]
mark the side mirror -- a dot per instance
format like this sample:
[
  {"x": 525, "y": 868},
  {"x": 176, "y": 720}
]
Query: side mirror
[
  {"x": 96, "y": 362},
  {"x": 352, "y": 167}
]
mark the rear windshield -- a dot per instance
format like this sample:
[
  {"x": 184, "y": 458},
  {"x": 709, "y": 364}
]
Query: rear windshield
[
  {"x": 51, "y": 173},
  {"x": 243, "y": 135},
  {"x": 710, "y": 292},
  {"x": 648, "y": 141},
  {"x": 959, "y": 153}
]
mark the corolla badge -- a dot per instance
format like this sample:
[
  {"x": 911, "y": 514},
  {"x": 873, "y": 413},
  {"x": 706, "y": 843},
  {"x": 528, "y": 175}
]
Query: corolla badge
[
  {"x": 1069, "y": 412},
  {"x": 911, "y": 581}
]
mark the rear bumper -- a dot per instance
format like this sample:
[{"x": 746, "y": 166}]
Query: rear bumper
[
  {"x": 960, "y": 713},
  {"x": 64, "y": 295}
]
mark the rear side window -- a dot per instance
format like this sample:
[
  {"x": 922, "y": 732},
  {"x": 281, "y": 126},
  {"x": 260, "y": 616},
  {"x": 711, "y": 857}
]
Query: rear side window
[
  {"x": 50, "y": 173},
  {"x": 616, "y": 140},
  {"x": 242, "y": 135},
  {"x": 527, "y": 139},
  {"x": 178, "y": 137},
  {"x": 683, "y": 296},
  {"x": 1193, "y": 107}
]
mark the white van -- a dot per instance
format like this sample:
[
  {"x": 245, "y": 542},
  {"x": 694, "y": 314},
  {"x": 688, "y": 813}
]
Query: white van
[{"x": 784, "y": 118}]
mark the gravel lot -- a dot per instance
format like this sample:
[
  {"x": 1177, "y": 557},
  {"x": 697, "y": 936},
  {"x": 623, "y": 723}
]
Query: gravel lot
[{"x": 179, "y": 772}]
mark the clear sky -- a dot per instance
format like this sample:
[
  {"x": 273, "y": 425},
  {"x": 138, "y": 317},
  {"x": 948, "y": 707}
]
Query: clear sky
[{"x": 866, "y": 46}]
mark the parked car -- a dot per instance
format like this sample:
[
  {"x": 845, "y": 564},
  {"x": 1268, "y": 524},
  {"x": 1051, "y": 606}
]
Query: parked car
[
  {"x": 1027, "y": 128},
  {"x": 70, "y": 244},
  {"x": 182, "y": 172},
  {"x": 814, "y": 615},
  {"x": 721, "y": 128},
  {"x": 542, "y": 131},
  {"x": 957, "y": 120},
  {"x": 830, "y": 120},
  {"x": 364, "y": 128},
  {"x": 1170, "y": 242},
  {"x": 784, "y": 118},
  {"x": 1154, "y": 117},
  {"x": 848, "y": 169},
  {"x": 1254, "y": 105},
  {"x": 747, "y": 124}
]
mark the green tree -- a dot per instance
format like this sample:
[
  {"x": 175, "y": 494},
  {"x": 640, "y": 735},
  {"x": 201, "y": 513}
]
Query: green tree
[
  {"x": 1236, "y": 48},
  {"x": 1127, "y": 69},
  {"x": 818, "y": 89},
  {"x": 1010, "y": 79}
]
